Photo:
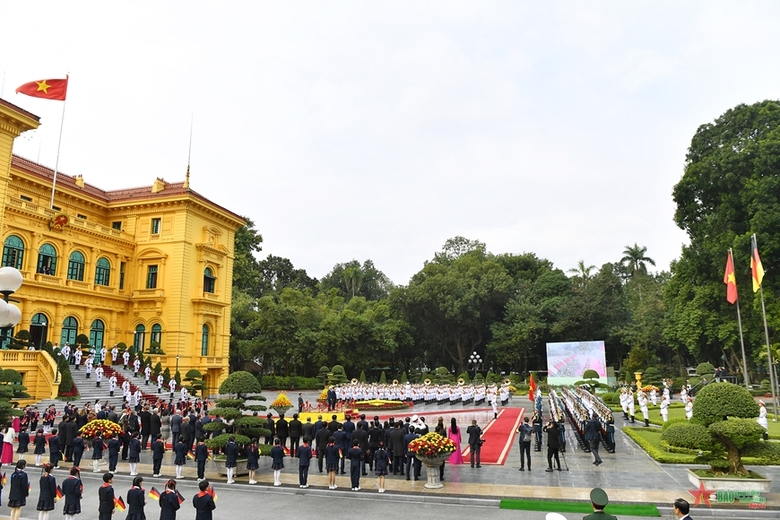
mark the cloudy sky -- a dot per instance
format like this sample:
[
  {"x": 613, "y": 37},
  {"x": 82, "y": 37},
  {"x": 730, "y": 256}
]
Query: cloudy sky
[{"x": 356, "y": 130}]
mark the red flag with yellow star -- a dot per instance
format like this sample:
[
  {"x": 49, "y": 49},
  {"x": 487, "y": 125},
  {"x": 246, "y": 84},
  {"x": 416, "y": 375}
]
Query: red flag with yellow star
[
  {"x": 730, "y": 280},
  {"x": 46, "y": 89}
]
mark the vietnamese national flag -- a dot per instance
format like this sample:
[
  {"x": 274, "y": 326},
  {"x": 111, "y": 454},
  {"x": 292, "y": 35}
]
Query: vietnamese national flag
[
  {"x": 119, "y": 503},
  {"x": 46, "y": 89},
  {"x": 755, "y": 265},
  {"x": 154, "y": 494},
  {"x": 531, "y": 388},
  {"x": 730, "y": 280}
]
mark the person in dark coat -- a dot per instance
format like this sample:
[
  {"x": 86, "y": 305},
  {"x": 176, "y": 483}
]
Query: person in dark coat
[
  {"x": 332, "y": 455},
  {"x": 78, "y": 449},
  {"x": 553, "y": 445},
  {"x": 361, "y": 436},
  {"x": 304, "y": 460},
  {"x": 593, "y": 436},
  {"x": 39, "y": 442},
  {"x": 20, "y": 489},
  {"x": 48, "y": 490},
  {"x": 201, "y": 456},
  {"x": 252, "y": 460},
  {"x": 114, "y": 445},
  {"x": 296, "y": 430},
  {"x": 106, "y": 497},
  {"x": 396, "y": 439},
  {"x": 231, "y": 458},
  {"x": 169, "y": 501},
  {"x": 98, "y": 446},
  {"x": 180, "y": 456},
  {"x": 158, "y": 452},
  {"x": 270, "y": 426},
  {"x": 136, "y": 500},
  {"x": 341, "y": 443},
  {"x": 134, "y": 450},
  {"x": 203, "y": 502},
  {"x": 72, "y": 490},
  {"x": 282, "y": 430},
  {"x": 277, "y": 461},
  {"x": 381, "y": 460},
  {"x": 322, "y": 440},
  {"x": 24, "y": 442},
  {"x": 355, "y": 455},
  {"x": 54, "y": 449}
]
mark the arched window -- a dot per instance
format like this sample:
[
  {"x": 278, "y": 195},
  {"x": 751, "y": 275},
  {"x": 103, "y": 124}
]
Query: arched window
[
  {"x": 70, "y": 329},
  {"x": 38, "y": 329},
  {"x": 140, "y": 338},
  {"x": 204, "y": 341},
  {"x": 208, "y": 280},
  {"x": 47, "y": 260},
  {"x": 102, "y": 272},
  {"x": 13, "y": 252},
  {"x": 156, "y": 340},
  {"x": 76, "y": 266},
  {"x": 96, "y": 333}
]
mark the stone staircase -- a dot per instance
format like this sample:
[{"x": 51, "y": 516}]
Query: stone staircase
[{"x": 89, "y": 392}]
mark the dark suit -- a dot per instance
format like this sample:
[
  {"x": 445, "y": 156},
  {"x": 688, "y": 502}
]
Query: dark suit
[
  {"x": 475, "y": 447},
  {"x": 158, "y": 452},
  {"x": 593, "y": 436},
  {"x": 175, "y": 427},
  {"x": 410, "y": 458},
  {"x": 322, "y": 440},
  {"x": 282, "y": 431},
  {"x": 553, "y": 445}
]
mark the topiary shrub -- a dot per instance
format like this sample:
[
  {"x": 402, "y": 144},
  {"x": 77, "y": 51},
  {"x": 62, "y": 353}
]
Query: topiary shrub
[
  {"x": 705, "y": 369},
  {"x": 240, "y": 383},
  {"x": 687, "y": 435},
  {"x": 729, "y": 412},
  {"x": 670, "y": 422},
  {"x": 651, "y": 376}
]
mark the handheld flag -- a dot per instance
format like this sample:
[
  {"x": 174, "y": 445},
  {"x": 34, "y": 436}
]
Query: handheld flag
[
  {"x": 730, "y": 280},
  {"x": 531, "y": 388},
  {"x": 180, "y": 497},
  {"x": 58, "y": 493},
  {"x": 755, "y": 265},
  {"x": 2, "y": 479},
  {"x": 154, "y": 494},
  {"x": 119, "y": 504},
  {"x": 46, "y": 88},
  {"x": 213, "y": 493},
  {"x": 190, "y": 455}
]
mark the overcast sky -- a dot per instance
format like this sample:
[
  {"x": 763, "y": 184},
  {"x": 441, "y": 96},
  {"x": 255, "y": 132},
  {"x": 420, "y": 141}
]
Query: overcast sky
[{"x": 356, "y": 130}]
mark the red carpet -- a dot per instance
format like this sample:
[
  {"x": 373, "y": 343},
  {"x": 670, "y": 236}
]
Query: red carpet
[{"x": 498, "y": 436}]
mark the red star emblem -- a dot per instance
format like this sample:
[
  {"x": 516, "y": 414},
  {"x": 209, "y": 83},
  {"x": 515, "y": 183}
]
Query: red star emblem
[{"x": 702, "y": 494}]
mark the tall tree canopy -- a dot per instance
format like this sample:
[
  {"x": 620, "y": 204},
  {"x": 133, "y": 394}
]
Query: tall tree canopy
[
  {"x": 730, "y": 189},
  {"x": 352, "y": 279}
]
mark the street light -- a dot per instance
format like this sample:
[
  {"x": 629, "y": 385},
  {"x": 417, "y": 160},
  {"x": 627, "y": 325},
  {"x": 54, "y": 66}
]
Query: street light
[
  {"x": 475, "y": 361},
  {"x": 10, "y": 315}
]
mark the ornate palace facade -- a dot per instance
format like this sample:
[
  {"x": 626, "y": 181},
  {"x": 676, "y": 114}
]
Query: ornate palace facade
[{"x": 151, "y": 267}]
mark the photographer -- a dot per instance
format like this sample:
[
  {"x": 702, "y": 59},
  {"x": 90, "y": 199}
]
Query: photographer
[
  {"x": 553, "y": 445},
  {"x": 475, "y": 442}
]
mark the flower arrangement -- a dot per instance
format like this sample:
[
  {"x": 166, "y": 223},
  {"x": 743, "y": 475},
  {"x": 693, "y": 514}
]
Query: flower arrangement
[
  {"x": 100, "y": 427},
  {"x": 381, "y": 404},
  {"x": 432, "y": 445},
  {"x": 281, "y": 401},
  {"x": 323, "y": 398}
]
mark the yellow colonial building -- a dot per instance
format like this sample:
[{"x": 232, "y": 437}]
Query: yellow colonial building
[{"x": 151, "y": 267}]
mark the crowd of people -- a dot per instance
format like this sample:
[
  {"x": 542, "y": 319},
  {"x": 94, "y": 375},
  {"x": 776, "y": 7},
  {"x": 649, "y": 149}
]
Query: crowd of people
[
  {"x": 424, "y": 393},
  {"x": 71, "y": 490}
]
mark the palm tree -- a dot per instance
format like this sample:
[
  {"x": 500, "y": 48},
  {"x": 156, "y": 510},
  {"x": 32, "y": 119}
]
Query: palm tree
[
  {"x": 635, "y": 261},
  {"x": 581, "y": 271}
]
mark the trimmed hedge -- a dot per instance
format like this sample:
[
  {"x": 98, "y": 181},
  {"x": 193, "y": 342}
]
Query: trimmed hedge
[
  {"x": 290, "y": 383},
  {"x": 688, "y": 435}
]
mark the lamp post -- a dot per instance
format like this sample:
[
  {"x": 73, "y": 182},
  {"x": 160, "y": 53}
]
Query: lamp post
[
  {"x": 10, "y": 315},
  {"x": 475, "y": 361},
  {"x": 177, "y": 365}
]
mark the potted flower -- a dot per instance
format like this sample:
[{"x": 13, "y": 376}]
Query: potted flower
[
  {"x": 281, "y": 404},
  {"x": 432, "y": 450},
  {"x": 101, "y": 428}
]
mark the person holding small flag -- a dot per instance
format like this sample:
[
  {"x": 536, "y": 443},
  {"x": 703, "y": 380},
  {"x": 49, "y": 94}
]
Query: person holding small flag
[
  {"x": 97, "y": 452},
  {"x": 201, "y": 456},
  {"x": 169, "y": 501},
  {"x": 203, "y": 502},
  {"x": 73, "y": 490},
  {"x": 158, "y": 452},
  {"x": 20, "y": 490},
  {"x": 136, "y": 500},
  {"x": 48, "y": 493},
  {"x": 180, "y": 456},
  {"x": 106, "y": 498}
]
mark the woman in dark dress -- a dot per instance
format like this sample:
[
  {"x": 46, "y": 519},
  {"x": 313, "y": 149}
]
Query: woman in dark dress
[
  {"x": 135, "y": 454},
  {"x": 331, "y": 461},
  {"x": 169, "y": 501},
  {"x": 24, "y": 443},
  {"x": 277, "y": 461},
  {"x": 180, "y": 458},
  {"x": 48, "y": 487},
  {"x": 136, "y": 500},
  {"x": 252, "y": 460},
  {"x": 20, "y": 489},
  {"x": 40, "y": 446},
  {"x": 231, "y": 458},
  {"x": 381, "y": 459},
  {"x": 73, "y": 490}
]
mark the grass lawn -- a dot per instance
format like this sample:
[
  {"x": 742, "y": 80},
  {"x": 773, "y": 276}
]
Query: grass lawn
[
  {"x": 678, "y": 412},
  {"x": 650, "y": 440}
]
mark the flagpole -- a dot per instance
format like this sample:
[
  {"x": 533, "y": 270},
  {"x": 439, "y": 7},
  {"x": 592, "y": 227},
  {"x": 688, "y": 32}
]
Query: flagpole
[
  {"x": 57, "y": 161},
  {"x": 768, "y": 349},
  {"x": 741, "y": 337}
]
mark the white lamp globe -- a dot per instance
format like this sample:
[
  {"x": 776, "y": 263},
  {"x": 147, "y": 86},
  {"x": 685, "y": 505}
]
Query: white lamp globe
[
  {"x": 3, "y": 313},
  {"x": 10, "y": 279},
  {"x": 14, "y": 315}
]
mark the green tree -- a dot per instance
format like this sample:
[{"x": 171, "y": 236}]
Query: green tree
[
  {"x": 635, "y": 260},
  {"x": 240, "y": 383},
  {"x": 246, "y": 269},
  {"x": 278, "y": 273},
  {"x": 193, "y": 382},
  {"x": 353, "y": 279}
]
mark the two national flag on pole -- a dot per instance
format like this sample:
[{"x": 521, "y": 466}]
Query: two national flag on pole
[{"x": 756, "y": 270}]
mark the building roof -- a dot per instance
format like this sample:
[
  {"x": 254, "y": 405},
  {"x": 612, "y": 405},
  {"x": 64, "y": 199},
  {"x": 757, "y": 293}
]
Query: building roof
[
  {"x": 20, "y": 110},
  {"x": 139, "y": 194}
]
